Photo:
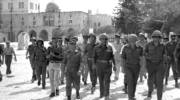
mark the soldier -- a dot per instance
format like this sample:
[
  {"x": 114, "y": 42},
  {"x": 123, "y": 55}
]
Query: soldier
[
  {"x": 118, "y": 47},
  {"x": 73, "y": 63},
  {"x": 40, "y": 62},
  {"x": 55, "y": 56},
  {"x": 89, "y": 52},
  {"x": 142, "y": 42},
  {"x": 131, "y": 55},
  {"x": 8, "y": 52},
  {"x": 85, "y": 66},
  {"x": 62, "y": 74},
  {"x": 1, "y": 59},
  {"x": 29, "y": 54},
  {"x": 103, "y": 58},
  {"x": 170, "y": 48},
  {"x": 177, "y": 56},
  {"x": 155, "y": 54}
]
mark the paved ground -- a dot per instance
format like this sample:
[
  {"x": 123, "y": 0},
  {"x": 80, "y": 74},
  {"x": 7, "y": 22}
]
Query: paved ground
[{"x": 18, "y": 86}]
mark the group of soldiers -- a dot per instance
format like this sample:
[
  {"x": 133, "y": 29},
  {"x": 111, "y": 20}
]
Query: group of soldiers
[{"x": 135, "y": 55}]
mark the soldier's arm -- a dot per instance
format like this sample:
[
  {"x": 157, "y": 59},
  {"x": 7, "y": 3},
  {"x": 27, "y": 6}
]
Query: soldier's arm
[
  {"x": 14, "y": 53},
  {"x": 123, "y": 56},
  {"x": 27, "y": 52}
]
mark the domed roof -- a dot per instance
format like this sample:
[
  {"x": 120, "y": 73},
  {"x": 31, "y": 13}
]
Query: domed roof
[{"x": 52, "y": 7}]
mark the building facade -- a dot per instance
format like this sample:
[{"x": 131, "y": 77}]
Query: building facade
[{"x": 41, "y": 24}]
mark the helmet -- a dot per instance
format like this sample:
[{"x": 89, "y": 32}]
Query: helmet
[
  {"x": 172, "y": 34},
  {"x": 41, "y": 41},
  {"x": 142, "y": 35},
  {"x": 103, "y": 36},
  {"x": 156, "y": 33},
  {"x": 132, "y": 38},
  {"x": 33, "y": 39}
]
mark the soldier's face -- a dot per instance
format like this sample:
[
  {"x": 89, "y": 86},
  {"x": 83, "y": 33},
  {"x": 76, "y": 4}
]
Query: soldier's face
[
  {"x": 173, "y": 38},
  {"x": 92, "y": 39},
  {"x": 104, "y": 41},
  {"x": 156, "y": 39},
  {"x": 72, "y": 46}
]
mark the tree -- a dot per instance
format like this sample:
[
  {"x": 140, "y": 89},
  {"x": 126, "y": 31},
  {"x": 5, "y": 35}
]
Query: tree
[{"x": 105, "y": 29}]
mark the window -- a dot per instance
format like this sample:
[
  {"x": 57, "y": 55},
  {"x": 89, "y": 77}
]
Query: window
[
  {"x": 70, "y": 21},
  {"x": 46, "y": 21},
  {"x": 21, "y": 5},
  {"x": 31, "y": 5},
  {"x": 10, "y": 5},
  {"x": 22, "y": 22},
  {"x": 34, "y": 21},
  {"x": 51, "y": 21}
]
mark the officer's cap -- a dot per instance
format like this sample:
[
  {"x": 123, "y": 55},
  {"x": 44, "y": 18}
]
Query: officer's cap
[
  {"x": 132, "y": 38},
  {"x": 103, "y": 36},
  {"x": 156, "y": 33}
]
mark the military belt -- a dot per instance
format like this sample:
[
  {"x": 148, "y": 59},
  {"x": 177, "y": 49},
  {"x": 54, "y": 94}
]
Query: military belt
[{"x": 104, "y": 61}]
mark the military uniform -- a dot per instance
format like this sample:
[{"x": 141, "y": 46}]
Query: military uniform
[
  {"x": 40, "y": 63},
  {"x": 155, "y": 65},
  {"x": 103, "y": 57},
  {"x": 31, "y": 51},
  {"x": 72, "y": 62},
  {"x": 170, "y": 48},
  {"x": 177, "y": 57},
  {"x": 132, "y": 57}
]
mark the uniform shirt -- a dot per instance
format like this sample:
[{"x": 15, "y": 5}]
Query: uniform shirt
[
  {"x": 89, "y": 50},
  {"x": 31, "y": 49},
  {"x": 177, "y": 51},
  {"x": 58, "y": 51},
  {"x": 132, "y": 55},
  {"x": 8, "y": 51},
  {"x": 154, "y": 53},
  {"x": 103, "y": 53},
  {"x": 170, "y": 48},
  {"x": 40, "y": 54},
  {"x": 72, "y": 60}
]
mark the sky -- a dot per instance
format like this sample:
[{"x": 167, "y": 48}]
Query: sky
[{"x": 97, "y": 6}]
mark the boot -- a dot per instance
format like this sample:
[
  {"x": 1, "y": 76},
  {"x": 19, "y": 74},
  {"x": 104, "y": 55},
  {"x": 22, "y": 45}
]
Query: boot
[
  {"x": 77, "y": 95},
  {"x": 39, "y": 82},
  {"x": 52, "y": 95},
  {"x": 68, "y": 97},
  {"x": 107, "y": 98},
  {"x": 57, "y": 91},
  {"x": 176, "y": 83},
  {"x": 125, "y": 88},
  {"x": 92, "y": 90},
  {"x": 149, "y": 94}
]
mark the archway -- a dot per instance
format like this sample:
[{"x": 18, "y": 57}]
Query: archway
[
  {"x": 44, "y": 35},
  {"x": 32, "y": 33}
]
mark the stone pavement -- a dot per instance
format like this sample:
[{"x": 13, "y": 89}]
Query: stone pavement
[{"x": 18, "y": 86}]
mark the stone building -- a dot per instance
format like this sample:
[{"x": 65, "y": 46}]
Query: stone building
[{"x": 41, "y": 24}]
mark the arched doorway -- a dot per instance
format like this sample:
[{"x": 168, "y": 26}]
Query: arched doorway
[
  {"x": 44, "y": 35},
  {"x": 32, "y": 33}
]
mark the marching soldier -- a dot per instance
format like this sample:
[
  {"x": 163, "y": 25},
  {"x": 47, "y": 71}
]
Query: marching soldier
[
  {"x": 29, "y": 55},
  {"x": 89, "y": 52},
  {"x": 170, "y": 48},
  {"x": 142, "y": 42},
  {"x": 85, "y": 66},
  {"x": 155, "y": 54},
  {"x": 40, "y": 62},
  {"x": 73, "y": 63},
  {"x": 118, "y": 47},
  {"x": 103, "y": 59},
  {"x": 177, "y": 57},
  {"x": 132, "y": 55},
  {"x": 1, "y": 59},
  {"x": 55, "y": 56}
]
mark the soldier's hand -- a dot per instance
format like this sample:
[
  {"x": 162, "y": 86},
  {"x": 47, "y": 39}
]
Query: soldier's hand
[
  {"x": 114, "y": 68},
  {"x": 15, "y": 59}
]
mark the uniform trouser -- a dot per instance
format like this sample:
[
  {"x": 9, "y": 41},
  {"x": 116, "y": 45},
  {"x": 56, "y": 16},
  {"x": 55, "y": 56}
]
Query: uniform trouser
[
  {"x": 104, "y": 71},
  {"x": 62, "y": 73},
  {"x": 54, "y": 69},
  {"x": 132, "y": 72},
  {"x": 118, "y": 69},
  {"x": 156, "y": 75},
  {"x": 33, "y": 68},
  {"x": 8, "y": 60},
  {"x": 41, "y": 71},
  {"x": 85, "y": 71},
  {"x": 93, "y": 73},
  {"x": 72, "y": 78},
  {"x": 174, "y": 70}
]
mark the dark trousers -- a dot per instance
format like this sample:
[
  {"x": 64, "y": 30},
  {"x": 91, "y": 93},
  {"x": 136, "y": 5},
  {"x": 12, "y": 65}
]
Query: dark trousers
[
  {"x": 174, "y": 70},
  {"x": 72, "y": 78},
  {"x": 104, "y": 71},
  {"x": 8, "y": 61},
  {"x": 41, "y": 72},
  {"x": 93, "y": 73},
  {"x": 132, "y": 73},
  {"x": 156, "y": 76},
  {"x": 32, "y": 63}
]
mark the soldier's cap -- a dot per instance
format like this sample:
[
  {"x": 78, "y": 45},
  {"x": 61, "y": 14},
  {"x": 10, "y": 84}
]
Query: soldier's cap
[
  {"x": 117, "y": 36},
  {"x": 132, "y": 38},
  {"x": 156, "y": 33},
  {"x": 142, "y": 35},
  {"x": 40, "y": 41},
  {"x": 103, "y": 36}
]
